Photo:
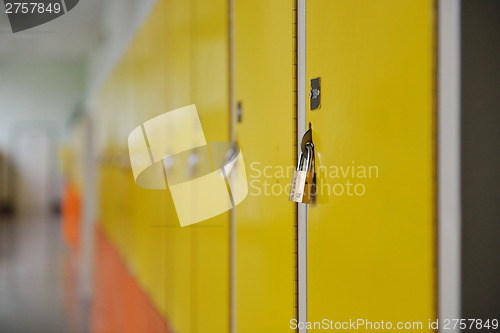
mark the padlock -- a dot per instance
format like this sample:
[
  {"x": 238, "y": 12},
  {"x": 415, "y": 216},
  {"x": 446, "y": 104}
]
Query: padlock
[{"x": 303, "y": 177}]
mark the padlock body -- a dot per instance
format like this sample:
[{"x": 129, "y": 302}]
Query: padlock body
[
  {"x": 306, "y": 198},
  {"x": 300, "y": 190},
  {"x": 298, "y": 184}
]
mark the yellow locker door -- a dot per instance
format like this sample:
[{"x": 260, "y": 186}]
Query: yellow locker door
[
  {"x": 151, "y": 219},
  {"x": 179, "y": 261},
  {"x": 265, "y": 221},
  {"x": 210, "y": 93},
  {"x": 371, "y": 235}
]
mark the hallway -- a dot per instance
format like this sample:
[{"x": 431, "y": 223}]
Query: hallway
[
  {"x": 35, "y": 271},
  {"x": 249, "y": 166}
]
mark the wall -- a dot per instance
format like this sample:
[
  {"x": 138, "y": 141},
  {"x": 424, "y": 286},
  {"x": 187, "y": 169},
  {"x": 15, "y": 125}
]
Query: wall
[
  {"x": 120, "y": 21},
  {"x": 480, "y": 159}
]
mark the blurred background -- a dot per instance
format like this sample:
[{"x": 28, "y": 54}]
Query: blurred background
[{"x": 411, "y": 87}]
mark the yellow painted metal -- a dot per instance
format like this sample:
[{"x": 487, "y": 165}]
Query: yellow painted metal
[
  {"x": 161, "y": 80},
  {"x": 210, "y": 93},
  {"x": 145, "y": 61},
  {"x": 139, "y": 221},
  {"x": 372, "y": 256},
  {"x": 178, "y": 57},
  {"x": 177, "y": 93},
  {"x": 265, "y": 227}
]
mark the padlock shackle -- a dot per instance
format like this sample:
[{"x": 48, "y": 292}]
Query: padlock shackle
[
  {"x": 306, "y": 140},
  {"x": 311, "y": 164},
  {"x": 309, "y": 159}
]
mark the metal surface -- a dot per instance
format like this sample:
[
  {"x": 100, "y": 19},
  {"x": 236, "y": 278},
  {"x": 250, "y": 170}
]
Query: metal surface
[
  {"x": 315, "y": 94},
  {"x": 301, "y": 129},
  {"x": 449, "y": 213},
  {"x": 166, "y": 67},
  {"x": 265, "y": 229},
  {"x": 372, "y": 253},
  {"x": 306, "y": 139},
  {"x": 303, "y": 176},
  {"x": 235, "y": 116}
]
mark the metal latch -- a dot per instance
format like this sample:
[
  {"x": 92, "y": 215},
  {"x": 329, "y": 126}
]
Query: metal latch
[{"x": 315, "y": 94}]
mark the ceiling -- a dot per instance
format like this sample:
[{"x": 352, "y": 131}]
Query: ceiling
[{"x": 68, "y": 37}]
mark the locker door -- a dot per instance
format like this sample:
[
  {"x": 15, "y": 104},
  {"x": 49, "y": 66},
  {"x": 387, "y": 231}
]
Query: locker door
[
  {"x": 210, "y": 88},
  {"x": 265, "y": 228},
  {"x": 179, "y": 259},
  {"x": 371, "y": 235},
  {"x": 151, "y": 218}
]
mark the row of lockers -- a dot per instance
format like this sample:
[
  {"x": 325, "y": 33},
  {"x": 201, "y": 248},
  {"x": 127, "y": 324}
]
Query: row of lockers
[{"x": 371, "y": 253}]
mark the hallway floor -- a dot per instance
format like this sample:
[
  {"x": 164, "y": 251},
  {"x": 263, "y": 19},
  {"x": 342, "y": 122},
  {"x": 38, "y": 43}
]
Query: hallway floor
[{"x": 36, "y": 278}]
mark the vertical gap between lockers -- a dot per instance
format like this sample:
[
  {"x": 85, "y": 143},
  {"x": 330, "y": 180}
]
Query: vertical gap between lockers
[
  {"x": 232, "y": 137},
  {"x": 301, "y": 209},
  {"x": 295, "y": 111}
]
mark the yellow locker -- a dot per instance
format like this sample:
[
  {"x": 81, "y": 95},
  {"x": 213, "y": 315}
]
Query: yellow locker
[
  {"x": 147, "y": 65},
  {"x": 371, "y": 234},
  {"x": 179, "y": 260},
  {"x": 210, "y": 93},
  {"x": 160, "y": 60},
  {"x": 265, "y": 222},
  {"x": 137, "y": 220}
]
